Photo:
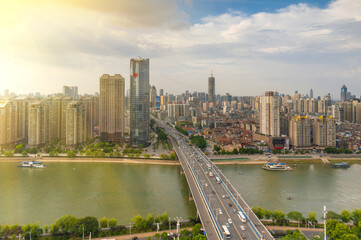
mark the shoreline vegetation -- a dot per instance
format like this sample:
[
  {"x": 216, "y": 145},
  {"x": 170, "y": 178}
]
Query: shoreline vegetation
[
  {"x": 343, "y": 225},
  {"x": 340, "y": 226},
  {"x": 71, "y": 227}
]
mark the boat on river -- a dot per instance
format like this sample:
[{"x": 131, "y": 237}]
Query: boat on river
[
  {"x": 32, "y": 164},
  {"x": 276, "y": 167},
  {"x": 340, "y": 165}
]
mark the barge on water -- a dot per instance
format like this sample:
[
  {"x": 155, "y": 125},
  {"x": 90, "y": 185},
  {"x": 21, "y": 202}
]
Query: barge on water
[
  {"x": 32, "y": 164},
  {"x": 276, "y": 167},
  {"x": 340, "y": 165}
]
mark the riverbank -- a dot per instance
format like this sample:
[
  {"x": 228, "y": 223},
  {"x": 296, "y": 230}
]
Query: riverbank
[
  {"x": 122, "y": 160},
  {"x": 95, "y": 160}
]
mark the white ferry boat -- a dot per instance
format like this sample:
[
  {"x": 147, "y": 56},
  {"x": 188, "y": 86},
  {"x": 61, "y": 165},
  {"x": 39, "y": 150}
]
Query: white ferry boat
[
  {"x": 276, "y": 167},
  {"x": 32, "y": 164}
]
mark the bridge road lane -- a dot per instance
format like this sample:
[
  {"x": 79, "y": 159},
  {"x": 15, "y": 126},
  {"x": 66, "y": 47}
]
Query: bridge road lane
[
  {"x": 216, "y": 201},
  {"x": 257, "y": 224},
  {"x": 223, "y": 204},
  {"x": 205, "y": 217}
]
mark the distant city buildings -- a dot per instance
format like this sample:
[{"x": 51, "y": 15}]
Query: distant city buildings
[
  {"x": 111, "y": 108},
  {"x": 179, "y": 112},
  {"x": 70, "y": 91},
  {"x": 139, "y": 102}
]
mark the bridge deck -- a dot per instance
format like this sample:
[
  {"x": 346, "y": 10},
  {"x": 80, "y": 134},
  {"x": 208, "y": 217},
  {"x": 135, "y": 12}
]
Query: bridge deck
[{"x": 217, "y": 201}]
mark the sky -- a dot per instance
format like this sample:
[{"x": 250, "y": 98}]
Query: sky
[{"x": 251, "y": 46}]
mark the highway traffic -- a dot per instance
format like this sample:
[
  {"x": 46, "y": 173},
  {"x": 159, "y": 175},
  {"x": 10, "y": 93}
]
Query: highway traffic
[{"x": 230, "y": 219}]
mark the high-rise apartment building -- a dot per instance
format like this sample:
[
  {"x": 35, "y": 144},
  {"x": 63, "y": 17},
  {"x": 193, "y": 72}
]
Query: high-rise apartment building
[
  {"x": 88, "y": 118},
  {"x": 300, "y": 131},
  {"x": 179, "y": 111},
  {"x": 344, "y": 93},
  {"x": 139, "y": 101},
  {"x": 324, "y": 132},
  {"x": 22, "y": 113},
  {"x": 76, "y": 124},
  {"x": 347, "y": 111},
  {"x": 270, "y": 114},
  {"x": 38, "y": 123},
  {"x": 211, "y": 89},
  {"x": 111, "y": 108},
  {"x": 70, "y": 91},
  {"x": 7, "y": 122},
  {"x": 311, "y": 93},
  {"x": 152, "y": 96}
]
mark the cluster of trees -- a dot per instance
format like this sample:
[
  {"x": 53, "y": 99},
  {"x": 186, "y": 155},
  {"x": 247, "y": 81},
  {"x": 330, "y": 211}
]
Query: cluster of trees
[
  {"x": 295, "y": 235},
  {"x": 335, "y": 230},
  {"x": 199, "y": 141},
  {"x": 152, "y": 123},
  {"x": 334, "y": 150},
  {"x": 162, "y": 136},
  {"x": 168, "y": 157},
  {"x": 181, "y": 130},
  {"x": 72, "y": 227},
  {"x": 67, "y": 226},
  {"x": 150, "y": 224},
  {"x": 20, "y": 149},
  {"x": 147, "y": 224},
  {"x": 280, "y": 217},
  {"x": 220, "y": 151}
]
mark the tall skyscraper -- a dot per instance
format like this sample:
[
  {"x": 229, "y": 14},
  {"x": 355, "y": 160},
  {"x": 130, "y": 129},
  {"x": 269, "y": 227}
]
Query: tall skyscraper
[
  {"x": 111, "y": 108},
  {"x": 161, "y": 92},
  {"x": 343, "y": 93},
  {"x": 211, "y": 89},
  {"x": 311, "y": 93},
  {"x": 139, "y": 101},
  {"x": 270, "y": 114}
]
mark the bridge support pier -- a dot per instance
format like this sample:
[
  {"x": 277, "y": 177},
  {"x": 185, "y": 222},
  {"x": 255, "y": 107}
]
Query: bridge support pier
[{"x": 190, "y": 197}]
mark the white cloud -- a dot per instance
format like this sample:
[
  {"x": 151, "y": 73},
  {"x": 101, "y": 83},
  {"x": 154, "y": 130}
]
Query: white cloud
[{"x": 298, "y": 47}]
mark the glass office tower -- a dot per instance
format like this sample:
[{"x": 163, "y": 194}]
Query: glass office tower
[{"x": 139, "y": 102}]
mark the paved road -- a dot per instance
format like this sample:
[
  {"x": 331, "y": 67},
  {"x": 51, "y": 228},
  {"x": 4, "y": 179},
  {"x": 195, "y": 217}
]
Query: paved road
[{"x": 219, "y": 200}]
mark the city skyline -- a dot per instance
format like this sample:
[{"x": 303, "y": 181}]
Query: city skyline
[{"x": 272, "y": 46}]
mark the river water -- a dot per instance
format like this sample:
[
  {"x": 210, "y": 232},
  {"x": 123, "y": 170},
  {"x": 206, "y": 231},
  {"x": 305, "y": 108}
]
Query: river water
[{"x": 125, "y": 190}]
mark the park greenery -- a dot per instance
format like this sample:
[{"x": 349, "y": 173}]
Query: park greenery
[
  {"x": 199, "y": 141},
  {"x": 163, "y": 138},
  {"x": 333, "y": 150},
  {"x": 217, "y": 150},
  {"x": 346, "y": 225},
  {"x": 71, "y": 227},
  {"x": 178, "y": 126}
]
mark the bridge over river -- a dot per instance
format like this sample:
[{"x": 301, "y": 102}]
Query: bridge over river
[{"x": 223, "y": 212}]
